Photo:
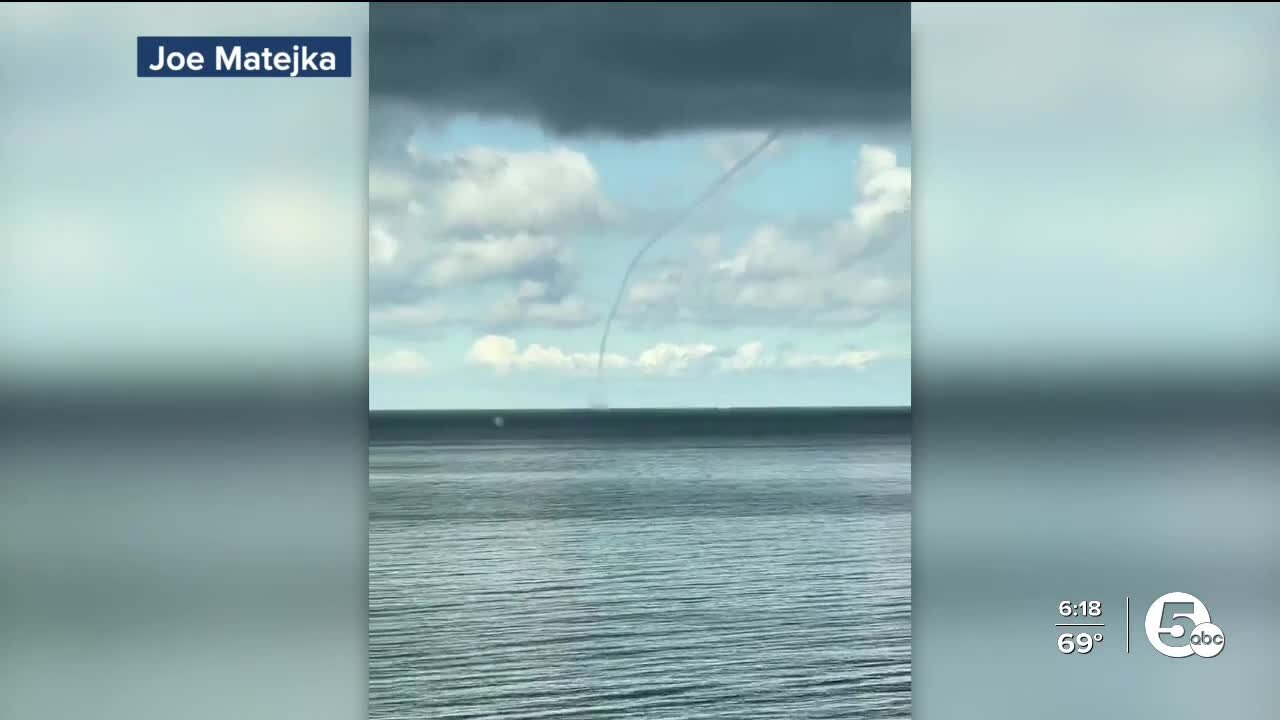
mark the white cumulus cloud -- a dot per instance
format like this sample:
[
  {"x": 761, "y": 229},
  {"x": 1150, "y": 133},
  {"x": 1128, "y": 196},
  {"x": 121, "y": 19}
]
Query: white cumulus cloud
[
  {"x": 504, "y": 355},
  {"x": 749, "y": 356},
  {"x": 768, "y": 254},
  {"x": 884, "y": 197},
  {"x": 410, "y": 319},
  {"x": 852, "y": 359},
  {"x": 532, "y": 303},
  {"x": 399, "y": 362},
  {"x": 493, "y": 257},
  {"x": 779, "y": 276},
  {"x": 672, "y": 359},
  {"x": 445, "y": 227},
  {"x": 535, "y": 190}
]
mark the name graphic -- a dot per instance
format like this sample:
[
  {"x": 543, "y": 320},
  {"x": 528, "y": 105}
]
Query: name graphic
[{"x": 281, "y": 57}]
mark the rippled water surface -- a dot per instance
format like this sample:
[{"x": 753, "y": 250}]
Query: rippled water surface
[{"x": 574, "y": 565}]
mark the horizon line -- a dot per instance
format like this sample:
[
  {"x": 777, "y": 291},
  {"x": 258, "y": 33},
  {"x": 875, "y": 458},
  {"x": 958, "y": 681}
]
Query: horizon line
[{"x": 723, "y": 408}]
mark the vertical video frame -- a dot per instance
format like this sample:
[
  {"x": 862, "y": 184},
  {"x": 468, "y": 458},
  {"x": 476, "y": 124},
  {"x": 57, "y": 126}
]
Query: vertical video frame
[{"x": 640, "y": 361}]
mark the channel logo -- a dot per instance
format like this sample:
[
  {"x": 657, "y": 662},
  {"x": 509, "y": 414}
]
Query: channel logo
[{"x": 1178, "y": 625}]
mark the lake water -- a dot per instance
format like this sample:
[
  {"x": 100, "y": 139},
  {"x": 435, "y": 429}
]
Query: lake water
[{"x": 696, "y": 564}]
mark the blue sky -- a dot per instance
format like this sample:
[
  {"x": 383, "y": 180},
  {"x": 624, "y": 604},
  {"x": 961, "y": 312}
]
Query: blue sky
[{"x": 497, "y": 248}]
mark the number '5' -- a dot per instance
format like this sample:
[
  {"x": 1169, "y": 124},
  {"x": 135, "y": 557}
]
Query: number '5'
[{"x": 1177, "y": 620}]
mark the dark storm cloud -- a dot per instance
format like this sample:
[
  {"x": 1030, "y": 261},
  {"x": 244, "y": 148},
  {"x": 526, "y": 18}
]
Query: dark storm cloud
[{"x": 643, "y": 69}]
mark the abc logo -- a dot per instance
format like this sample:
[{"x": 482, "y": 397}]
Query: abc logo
[
  {"x": 1178, "y": 626},
  {"x": 1207, "y": 640}
]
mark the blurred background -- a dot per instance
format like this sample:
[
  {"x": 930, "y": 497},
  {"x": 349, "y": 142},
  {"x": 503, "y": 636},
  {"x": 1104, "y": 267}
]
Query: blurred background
[
  {"x": 183, "y": 362},
  {"x": 182, "y": 373},
  {"x": 1096, "y": 344}
]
